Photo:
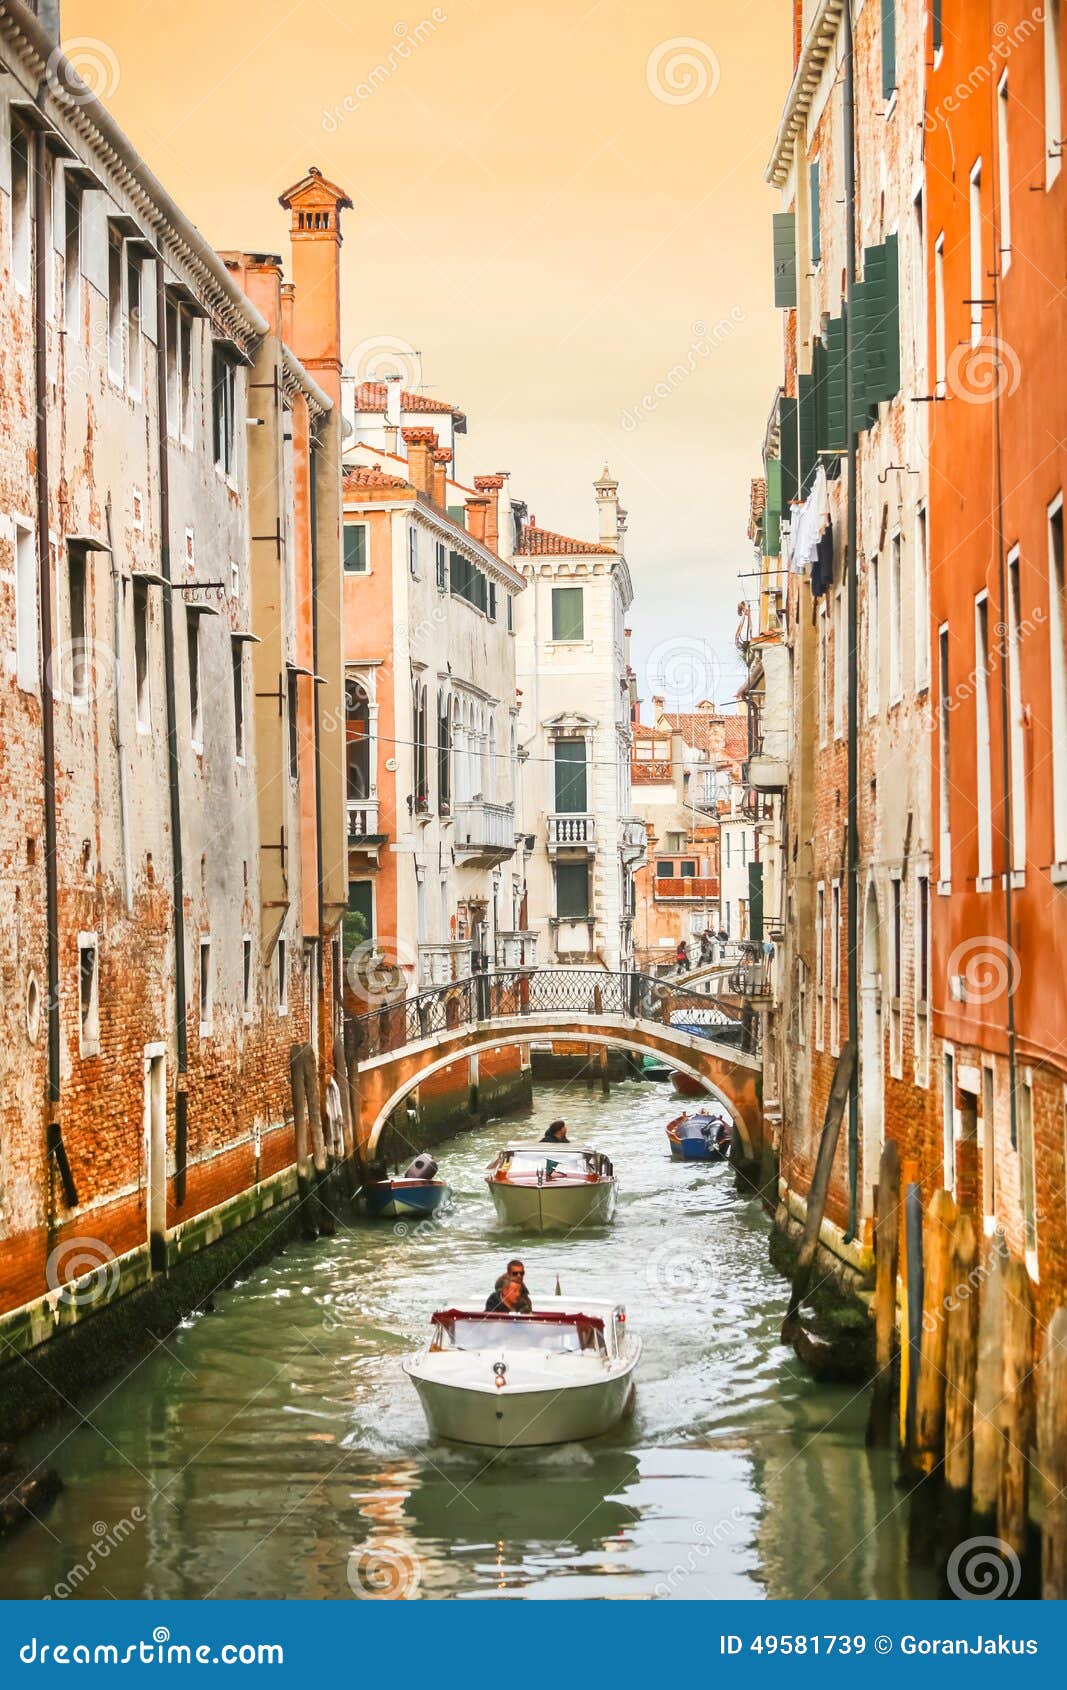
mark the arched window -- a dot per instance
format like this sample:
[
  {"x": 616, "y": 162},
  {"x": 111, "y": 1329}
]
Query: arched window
[
  {"x": 444, "y": 752},
  {"x": 419, "y": 746},
  {"x": 357, "y": 741}
]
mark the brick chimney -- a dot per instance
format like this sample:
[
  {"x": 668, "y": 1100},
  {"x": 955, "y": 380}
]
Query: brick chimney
[
  {"x": 315, "y": 206},
  {"x": 798, "y": 31},
  {"x": 491, "y": 485},
  {"x": 442, "y": 457},
  {"x": 421, "y": 444},
  {"x": 288, "y": 310},
  {"x": 477, "y": 517}
]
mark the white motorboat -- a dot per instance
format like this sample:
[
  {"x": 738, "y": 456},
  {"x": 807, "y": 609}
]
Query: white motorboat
[
  {"x": 552, "y": 1187},
  {"x": 511, "y": 1380}
]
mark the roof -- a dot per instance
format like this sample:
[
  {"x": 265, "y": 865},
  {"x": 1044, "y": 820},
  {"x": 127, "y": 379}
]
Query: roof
[
  {"x": 363, "y": 475},
  {"x": 712, "y": 732},
  {"x": 371, "y": 396},
  {"x": 542, "y": 542},
  {"x": 818, "y": 45}
]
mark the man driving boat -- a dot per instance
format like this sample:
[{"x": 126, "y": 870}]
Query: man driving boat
[{"x": 516, "y": 1270}]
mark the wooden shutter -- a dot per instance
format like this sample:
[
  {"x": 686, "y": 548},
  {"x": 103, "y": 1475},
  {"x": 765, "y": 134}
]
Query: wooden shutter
[
  {"x": 807, "y": 434},
  {"x": 787, "y": 430},
  {"x": 889, "y": 47},
  {"x": 772, "y": 513},
  {"x": 836, "y": 435},
  {"x": 785, "y": 259},
  {"x": 816, "y": 215}
]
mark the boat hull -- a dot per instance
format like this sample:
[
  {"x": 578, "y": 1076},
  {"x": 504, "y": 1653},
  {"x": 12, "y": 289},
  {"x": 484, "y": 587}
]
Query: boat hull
[
  {"x": 554, "y": 1207},
  {"x": 517, "y": 1419},
  {"x": 395, "y": 1198},
  {"x": 684, "y": 1085},
  {"x": 695, "y": 1150}
]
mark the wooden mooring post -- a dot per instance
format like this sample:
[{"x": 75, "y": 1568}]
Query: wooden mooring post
[
  {"x": 961, "y": 1355},
  {"x": 938, "y": 1229},
  {"x": 886, "y": 1253},
  {"x": 1015, "y": 1418},
  {"x": 1052, "y": 1457},
  {"x": 988, "y": 1387}
]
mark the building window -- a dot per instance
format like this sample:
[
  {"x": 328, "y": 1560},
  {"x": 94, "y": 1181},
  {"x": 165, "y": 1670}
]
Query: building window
[
  {"x": 246, "y": 977},
  {"x": 467, "y": 581},
  {"x": 802, "y": 1002},
  {"x": 27, "y": 666},
  {"x": 77, "y": 608},
  {"x": 821, "y": 702},
  {"x": 840, "y": 661},
  {"x": 185, "y": 341},
  {"x": 820, "y": 965},
  {"x": 355, "y": 548},
  {"x": 358, "y": 924},
  {"x": 207, "y": 988},
  {"x": 441, "y": 566},
  {"x": 938, "y": 36},
  {"x": 1058, "y": 654},
  {"x": 413, "y": 550},
  {"x": 922, "y": 980},
  {"x": 72, "y": 257},
  {"x": 873, "y": 656},
  {"x": 1016, "y": 735},
  {"x": 135, "y": 341},
  {"x": 1027, "y": 1181},
  {"x": 357, "y": 742},
  {"x": 419, "y": 713},
  {"x": 237, "y": 663},
  {"x": 1004, "y": 171},
  {"x": 983, "y": 744},
  {"x": 21, "y": 214},
  {"x": 572, "y": 794},
  {"x": 665, "y": 871},
  {"x": 192, "y": 642},
  {"x": 568, "y": 613},
  {"x": 940, "y": 327},
  {"x": 948, "y": 1114},
  {"x": 1053, "y": 99},
  {"x": 572, "y": 891},
  {"x": 142, "y": 678},
  {"x": 282, "y": 978},
  {"x": 88, "y": 994},
  {"x": 292, "y": 709},
  {"x": 835, "y": 967},
  {"x": 896, "y": 628},
  {"x": 444, "y": 752},
  {"x": 223, "y": 410},
  {"x": 816, "y": 214},
  {"x": 944, "y": 757},
  {"x": 116, "y": 327},
  {"x": 896, "y": 973},
  {"x": 977, "y": 271},
  {"x": 989, "y": 1148},
  {"x": 509, "y": 599},
  {"x": 688, "y": 870},
  {"x": 492, "y": 601},
  {"x": 922, "y": 605},
  {"x": 889, "y": 48}
]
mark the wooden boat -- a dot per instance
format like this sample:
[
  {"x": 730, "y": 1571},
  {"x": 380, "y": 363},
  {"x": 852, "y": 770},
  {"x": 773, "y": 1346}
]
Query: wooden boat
[
  {"x": 510, "y": 1380},
  {"x": 654, "y": 1068},
  {"x": 699, "y": 1138},
  {"x": 546, "y": 1187},
  {"x": 684, "y": 1085},
  {"x": 404, "y": 1197}
]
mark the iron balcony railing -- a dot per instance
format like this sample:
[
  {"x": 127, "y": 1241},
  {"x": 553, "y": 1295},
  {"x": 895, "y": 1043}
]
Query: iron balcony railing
[{"x": 503, "y": 994}]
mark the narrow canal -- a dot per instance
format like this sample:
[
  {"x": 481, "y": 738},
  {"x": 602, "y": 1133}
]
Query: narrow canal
[{"x": 273, "y": 1448}]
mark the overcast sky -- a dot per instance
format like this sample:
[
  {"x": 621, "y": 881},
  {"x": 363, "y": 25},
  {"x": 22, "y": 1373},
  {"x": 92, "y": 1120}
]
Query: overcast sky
[{"x": 560, "y": 225}]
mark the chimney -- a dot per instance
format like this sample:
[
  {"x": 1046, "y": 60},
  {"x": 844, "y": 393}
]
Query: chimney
[
  {"x": 315, "y": 206},
  {"x": 491, "y": 485},
  {"x": 607, "y": 500},
  {"x": 288, "y": 311},
  {"x": 442, "y": 457},
  {"x": 421, "y": 444},
  {"x": 798, "y": 31},
  {"x": 477, "y": 517}
]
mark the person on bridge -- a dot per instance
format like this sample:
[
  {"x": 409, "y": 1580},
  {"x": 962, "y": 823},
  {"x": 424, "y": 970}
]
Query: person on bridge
[
  {"x": 556, "y": 1133},
  {"x": 516, "y": 1270},
  {"x": 682, "y": 956},
  {"x": 507, "y": 1299}
]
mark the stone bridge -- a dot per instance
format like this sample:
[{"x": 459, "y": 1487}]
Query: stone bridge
[{"x": 713, "y": 1040}]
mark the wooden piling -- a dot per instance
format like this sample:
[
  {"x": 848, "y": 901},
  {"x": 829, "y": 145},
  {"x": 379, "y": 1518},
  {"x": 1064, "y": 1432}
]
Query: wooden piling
[
  {"x": 961, "y": 1355},
  {"x": 988, "y": 1387},
  {"x": 324, "y": 1218},
  {"x": 938, "y": 1228},
  {"x": 886, "y": 1252},
  {"x": 304, "y": 1170},
  {"x": 1052, "y": 1457},
  {"x": 1016, "y": 1416}
]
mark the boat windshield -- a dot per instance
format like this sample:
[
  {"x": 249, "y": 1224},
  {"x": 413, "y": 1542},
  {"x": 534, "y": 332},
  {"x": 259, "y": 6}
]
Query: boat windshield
[
  {"x": 549, "y": 1337},
  {"x": 533, "y": 1161}
]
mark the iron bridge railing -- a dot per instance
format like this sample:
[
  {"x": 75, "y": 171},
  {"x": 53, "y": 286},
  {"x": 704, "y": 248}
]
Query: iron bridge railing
[{"x": 505, "y": 994}]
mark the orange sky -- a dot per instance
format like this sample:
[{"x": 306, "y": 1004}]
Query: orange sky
[{"x": 547, "y": 232}]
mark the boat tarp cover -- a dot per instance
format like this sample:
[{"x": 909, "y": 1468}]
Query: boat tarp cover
[{"x": 445, "y": 1317}]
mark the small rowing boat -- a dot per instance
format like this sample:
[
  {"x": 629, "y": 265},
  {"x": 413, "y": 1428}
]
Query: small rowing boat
[
  {"x": 417, "y": 1193},
  {"x": 699, "y": 1138},
  {"x": 548, "y": 1187},
  {"x": 684, "y": 1085},
  {"x": 511, "y": 1380}
]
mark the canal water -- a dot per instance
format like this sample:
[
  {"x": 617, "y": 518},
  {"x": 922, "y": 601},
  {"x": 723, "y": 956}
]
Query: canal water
[{"x": 273, "y": 1448}]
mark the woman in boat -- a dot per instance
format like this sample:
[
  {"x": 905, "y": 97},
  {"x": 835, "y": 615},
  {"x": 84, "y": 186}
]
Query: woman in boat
[
  {"x": 556, "y": 1133},
  {"x": 516, "y": 1270}
]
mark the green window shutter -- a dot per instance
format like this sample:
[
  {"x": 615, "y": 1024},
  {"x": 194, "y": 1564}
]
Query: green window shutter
[
  {"x": 889, "y": 47},
  {"x": 772, "y": 513},
  {"x": 572, "y": 891},
  {"x": 568, "y": 618},
  {"x": 938, "y": 37},
  {"x": 816, "y": 215},
  {"x": 891, "y": 321},
  {"x": 881, "y": 375},
  {"x": 571, "y": 781},
  {"x": 355, "y": 548},
  {"x": 787, "y": 430},
  {"x": 836, "y": 439},
  {"x": 818, "y": 382},
  {"x": 785, "y": 259},
  {"x": 755, "y": 900},
  {"x": 861, "y": 330},
  {"x": 808, "y": 452},
  {"x": 458, "y": 514}
]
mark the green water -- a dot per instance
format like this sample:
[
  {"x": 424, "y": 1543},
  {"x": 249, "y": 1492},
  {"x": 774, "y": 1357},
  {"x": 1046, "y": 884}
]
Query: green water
[{"x": 273, "y": 1448}]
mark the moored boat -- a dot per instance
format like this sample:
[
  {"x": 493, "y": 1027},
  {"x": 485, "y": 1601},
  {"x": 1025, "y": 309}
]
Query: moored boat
[
  {"x": 511, "y": 1380},
  {"x": 654, "y": 1068},
  {"x": 701, "y": 1137},
  {"x": 684, "y": 1085},
  {"x": 417, "y": 1193},
  {"x": 548, "y": 1187}
]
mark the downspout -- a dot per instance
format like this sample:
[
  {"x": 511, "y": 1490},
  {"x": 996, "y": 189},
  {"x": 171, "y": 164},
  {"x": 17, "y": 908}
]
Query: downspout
[
  {"x": 853, "y": 838},
  {"x": 41, "y": 257},
  {"x": 173, "y": 770},
  {"x": 312, "y": 515}
]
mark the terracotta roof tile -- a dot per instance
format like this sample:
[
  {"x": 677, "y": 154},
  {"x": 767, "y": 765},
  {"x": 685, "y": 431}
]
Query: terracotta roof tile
[
  {"x": 371, "y": 395},
  {"x": 541, "y": 542},
  {"x": 713, "y": 733},
  {"x": 364, "y": 475}
]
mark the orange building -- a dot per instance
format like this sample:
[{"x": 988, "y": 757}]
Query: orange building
[{"x": 997, "y": 222}]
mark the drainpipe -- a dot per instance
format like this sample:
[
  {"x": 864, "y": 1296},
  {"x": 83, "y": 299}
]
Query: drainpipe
[
  {"x": 173, "y": 768},
  {"x": 313, "y": 502},
  {"x": 853, "y": 837}
]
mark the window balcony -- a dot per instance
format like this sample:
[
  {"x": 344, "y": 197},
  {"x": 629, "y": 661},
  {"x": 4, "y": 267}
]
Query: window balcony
[
  {"x": 633, "y": 839},
  {"x": 571, "y": 833},
  {"x": 440, "y": 965},
  {"x": 695, "y": 887},
  {"x": 516, "y": 950},
  {"x": 767, "y": 774},
  {"x": 484, "y": 833},
  {"x": 363, "y": 821}
]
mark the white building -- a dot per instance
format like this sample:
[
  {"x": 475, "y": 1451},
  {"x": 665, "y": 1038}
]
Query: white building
[{"x": 575, "y": 739}]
